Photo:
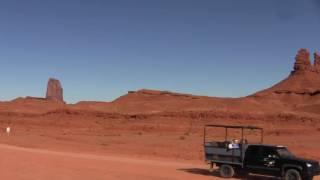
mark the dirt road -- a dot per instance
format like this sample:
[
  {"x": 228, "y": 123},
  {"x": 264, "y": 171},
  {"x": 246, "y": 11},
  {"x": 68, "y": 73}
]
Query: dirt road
[
  {"x": 32, "y": 164},
  {"x": 19, "y": 163}
]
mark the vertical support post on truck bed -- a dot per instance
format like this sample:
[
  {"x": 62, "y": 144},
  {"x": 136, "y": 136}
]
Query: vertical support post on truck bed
[
  {"x": 242, "y": 135},
  {"x": 262, "y": 136},
  {"x": 242, "y": 145},
  {"x": 204, "y": 136},
  {"x": 226, "y": 138}
]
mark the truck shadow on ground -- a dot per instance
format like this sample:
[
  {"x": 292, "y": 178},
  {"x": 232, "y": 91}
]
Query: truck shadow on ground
[{"x": 206, "y": 172}]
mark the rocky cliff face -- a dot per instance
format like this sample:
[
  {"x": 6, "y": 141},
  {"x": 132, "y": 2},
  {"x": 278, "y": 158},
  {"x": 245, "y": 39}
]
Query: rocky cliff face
[{"x": 54, "y": 90}]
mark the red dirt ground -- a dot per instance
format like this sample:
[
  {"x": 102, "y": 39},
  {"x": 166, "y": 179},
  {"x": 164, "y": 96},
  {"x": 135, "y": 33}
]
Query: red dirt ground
[{"x": 165, "y": 138}]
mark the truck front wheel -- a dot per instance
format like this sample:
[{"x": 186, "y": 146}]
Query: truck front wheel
[
  {"x": 226, "y": 171},
  {"x": 292, "y": 174}
]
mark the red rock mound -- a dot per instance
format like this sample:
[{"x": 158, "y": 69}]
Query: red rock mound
[{"x": 152, "y": 101}]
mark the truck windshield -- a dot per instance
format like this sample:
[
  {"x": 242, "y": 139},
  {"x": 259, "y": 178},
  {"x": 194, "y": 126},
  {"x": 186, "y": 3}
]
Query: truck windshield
[{"x": 284, "y": 152}]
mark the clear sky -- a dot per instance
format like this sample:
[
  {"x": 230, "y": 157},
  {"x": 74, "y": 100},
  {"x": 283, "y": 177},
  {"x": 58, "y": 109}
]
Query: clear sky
[{"x": 100, "y": 49}]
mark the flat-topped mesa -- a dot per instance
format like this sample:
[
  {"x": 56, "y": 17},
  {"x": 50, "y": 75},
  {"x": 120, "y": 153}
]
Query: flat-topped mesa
[
  {"x": 316, "y": 63},
  {"x": 302, "y": 63},
  {"x": 54, "y": 90}
]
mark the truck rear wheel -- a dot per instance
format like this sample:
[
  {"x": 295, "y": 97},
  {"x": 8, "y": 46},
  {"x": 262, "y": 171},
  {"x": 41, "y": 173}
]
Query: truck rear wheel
[
  {"x": 292, "y": 174},
  {"x": 226, "y": 171}
]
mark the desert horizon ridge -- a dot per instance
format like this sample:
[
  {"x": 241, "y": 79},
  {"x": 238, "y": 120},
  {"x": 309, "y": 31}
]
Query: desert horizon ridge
[
  {"x": 302, "y": 60},
  {"x": 299, "y": 92}
]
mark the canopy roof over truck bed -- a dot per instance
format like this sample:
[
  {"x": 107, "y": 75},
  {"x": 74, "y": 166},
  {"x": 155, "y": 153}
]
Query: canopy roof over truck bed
[{"x": 233, "y": 127}]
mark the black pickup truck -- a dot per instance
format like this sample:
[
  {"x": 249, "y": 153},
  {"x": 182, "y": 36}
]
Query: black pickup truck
[{"x": 244, "y": 158}]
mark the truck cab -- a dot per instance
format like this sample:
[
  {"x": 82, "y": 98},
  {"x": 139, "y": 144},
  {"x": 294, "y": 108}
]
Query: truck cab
[
  {"x": 278, "y": 161},
  {"x": 244, "y": 157}
]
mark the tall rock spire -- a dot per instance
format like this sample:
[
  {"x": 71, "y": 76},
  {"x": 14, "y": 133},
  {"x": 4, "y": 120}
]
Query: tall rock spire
[
  {"x": 302, "y": 62},
  {"x": 316, "y": 63},
  {"x": 54, "y": 90}
]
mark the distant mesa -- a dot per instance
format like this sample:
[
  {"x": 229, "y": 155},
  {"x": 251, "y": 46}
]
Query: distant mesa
[{"x": 54, "y": 90}]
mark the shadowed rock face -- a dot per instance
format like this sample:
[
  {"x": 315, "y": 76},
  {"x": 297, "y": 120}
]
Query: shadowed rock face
[{"x": 54, "y": 90}]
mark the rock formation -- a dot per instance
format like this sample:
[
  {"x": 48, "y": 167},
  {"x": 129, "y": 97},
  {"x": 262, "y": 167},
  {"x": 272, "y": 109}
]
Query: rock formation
[
  {"x": 302, "y": 62},
  {"x": 316, "y": 63},
  {"x": 54, "y": 90},
  {"x": 304, "y": 80}
]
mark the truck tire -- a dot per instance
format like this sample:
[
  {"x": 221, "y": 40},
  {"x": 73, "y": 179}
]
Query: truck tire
[
  {"x": 226, "y": 171},
  {"x": 292, "y": 174}
]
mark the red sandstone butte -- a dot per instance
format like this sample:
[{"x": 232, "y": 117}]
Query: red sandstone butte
[{"x": 54, "y": 90}]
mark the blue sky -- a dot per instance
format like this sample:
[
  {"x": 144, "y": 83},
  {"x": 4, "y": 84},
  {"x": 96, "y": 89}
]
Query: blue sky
[{"x": 101, "y": 49}]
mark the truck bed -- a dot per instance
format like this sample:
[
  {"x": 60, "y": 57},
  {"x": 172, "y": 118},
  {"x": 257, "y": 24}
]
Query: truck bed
[{"x": 218, "y": 152}]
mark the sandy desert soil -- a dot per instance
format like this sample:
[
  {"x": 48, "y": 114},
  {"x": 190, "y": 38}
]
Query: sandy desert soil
[
  {"x": 26, "y": 163},
  {"x": 59, "y": 144}
]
